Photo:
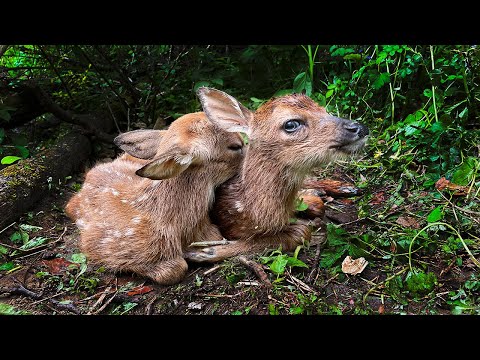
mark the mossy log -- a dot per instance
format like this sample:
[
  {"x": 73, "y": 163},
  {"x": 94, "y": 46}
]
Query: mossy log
[{"x": 24, "y": 183}]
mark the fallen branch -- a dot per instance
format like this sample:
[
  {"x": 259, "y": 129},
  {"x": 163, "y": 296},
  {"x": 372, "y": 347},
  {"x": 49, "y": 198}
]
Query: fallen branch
[
  {"x": 257, "y": 269},
  {"x": 21, "y": 290}
]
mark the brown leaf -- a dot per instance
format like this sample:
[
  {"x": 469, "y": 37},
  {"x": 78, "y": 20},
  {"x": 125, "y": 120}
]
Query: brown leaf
[
  {"x": 408, "y": 221},
  {"x": 58, "y": 265},
  {"x": 139, "y": 290},
  {"x": 350, "y": 266},
  {"x": 333, "y": 188},
  {"x": 378, "y": 198},
  {"x": 381, "y": 309},
  {"x": 458, "y": 190}
]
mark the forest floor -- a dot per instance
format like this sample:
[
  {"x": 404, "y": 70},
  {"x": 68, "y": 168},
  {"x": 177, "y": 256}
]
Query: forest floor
[{"x": 53, "y": 277}]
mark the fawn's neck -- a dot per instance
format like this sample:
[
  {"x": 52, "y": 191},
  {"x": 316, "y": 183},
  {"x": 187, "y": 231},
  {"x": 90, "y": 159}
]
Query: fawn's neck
[{"x": 269, "y": 190}]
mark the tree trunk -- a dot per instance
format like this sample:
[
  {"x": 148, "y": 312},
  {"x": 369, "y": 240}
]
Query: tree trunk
[{"x": 25, "y": 182}]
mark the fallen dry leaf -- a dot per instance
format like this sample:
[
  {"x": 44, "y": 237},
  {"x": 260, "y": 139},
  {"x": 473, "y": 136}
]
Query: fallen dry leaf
[
  {"x": 378, "y": 198},
  {"x": 58, "y": 265},
  {"x": 350, "y": 266},
  {"x": 459, "y": 190},
  {"x": 408, "y": 221},
  {"x": 139, "y": 290}
]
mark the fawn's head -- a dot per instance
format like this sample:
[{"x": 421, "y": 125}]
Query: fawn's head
[
  {"x": 191, "y": 142},
  {"x": 293, "y": 129}
]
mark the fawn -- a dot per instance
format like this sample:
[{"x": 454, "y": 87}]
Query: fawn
[
  {"x": 139, "y": 212},
  {"x": 288, "y": 137}
]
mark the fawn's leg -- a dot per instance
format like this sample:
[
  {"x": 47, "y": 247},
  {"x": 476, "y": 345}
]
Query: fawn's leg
[
  {"x": 166, "y": 272},
  {"x": 289, "y": 239}
]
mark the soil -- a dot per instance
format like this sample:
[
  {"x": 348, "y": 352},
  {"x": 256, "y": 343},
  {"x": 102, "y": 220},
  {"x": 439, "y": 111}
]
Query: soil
[{"x": 45, "y": 280}]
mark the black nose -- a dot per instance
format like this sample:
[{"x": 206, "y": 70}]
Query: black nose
[{"x": 357, "y": 128}]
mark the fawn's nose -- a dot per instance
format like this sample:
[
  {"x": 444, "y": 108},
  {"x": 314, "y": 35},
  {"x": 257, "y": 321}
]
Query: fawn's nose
[{"x": 357, "y": 128}]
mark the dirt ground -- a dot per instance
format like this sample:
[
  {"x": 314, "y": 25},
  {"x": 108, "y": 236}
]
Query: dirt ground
[{"x": 54, "y": 279}]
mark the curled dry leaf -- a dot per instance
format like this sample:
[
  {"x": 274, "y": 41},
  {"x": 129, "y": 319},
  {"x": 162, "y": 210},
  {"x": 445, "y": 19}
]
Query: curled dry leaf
[
  {"x": 353, "y": 267},
  {"x": 408, "y": 221},
  {"x": 58, "y": 265},
  {"x": 458, "y": 190}
]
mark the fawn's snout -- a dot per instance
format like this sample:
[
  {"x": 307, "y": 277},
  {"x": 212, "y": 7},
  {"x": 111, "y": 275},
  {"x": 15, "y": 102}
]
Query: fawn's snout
[{"x": 357, "y": 129}]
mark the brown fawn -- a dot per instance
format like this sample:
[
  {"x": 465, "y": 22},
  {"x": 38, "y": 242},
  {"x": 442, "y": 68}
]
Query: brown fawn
[
  {"x": 288, "y": 137},
  {"x": 140, "y": 212}
]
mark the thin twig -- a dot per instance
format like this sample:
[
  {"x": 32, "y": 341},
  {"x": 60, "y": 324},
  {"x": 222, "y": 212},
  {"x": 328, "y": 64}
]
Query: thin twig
[
  {"x": 100, "y": 299},
  {"x": 257, "y": 269},
  {"x": 8, "y": 227},
  {"x": 300, "y": 283},
  {"x": 106, "y": 304},
  {"x": 210, "y": 243},
  {"x": 213, "y": 269},
  {"x": 381, "y": 283}
]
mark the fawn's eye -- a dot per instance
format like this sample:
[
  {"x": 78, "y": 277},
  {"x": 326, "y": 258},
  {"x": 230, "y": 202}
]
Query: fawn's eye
[
  {"x": 292, "y": 125},
  {"x": 235, "y": 147}
]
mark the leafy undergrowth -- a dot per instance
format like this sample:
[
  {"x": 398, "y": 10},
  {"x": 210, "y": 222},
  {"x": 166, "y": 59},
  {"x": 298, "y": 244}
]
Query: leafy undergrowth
[{"x": 421, "y": 247}]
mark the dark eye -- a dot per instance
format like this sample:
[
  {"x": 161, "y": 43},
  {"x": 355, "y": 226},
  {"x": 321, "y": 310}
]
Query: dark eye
[
  {"x": 292, "y": 125},
  {"x": 235, "y": 147}
]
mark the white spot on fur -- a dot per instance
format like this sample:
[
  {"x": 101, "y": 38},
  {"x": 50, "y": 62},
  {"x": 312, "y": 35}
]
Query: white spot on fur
[
  {"x": 117, "y": 233},
  {"x": 124, "y": 201},
  {"x": 81, "y": 224},
  {"x": 129, "y": 232},
  {"x": 115, "y": 192},
  {"x": 136, "y": 220},
  {"x": 239, "y": 206}
]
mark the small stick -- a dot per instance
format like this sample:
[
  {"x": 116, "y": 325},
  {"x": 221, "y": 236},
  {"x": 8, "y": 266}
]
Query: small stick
[
  {"x": 300, "y": 283},
  {"x": 8, "y": 227},
  {"x": 105, "y": 304},
  {"x": 100, "y": 299},
  {"x": 257, "y": 269},
  {"x": 149, "y": 307},
  {"x": 213, "y": 269},
  {"x": 211, "y": 243}
]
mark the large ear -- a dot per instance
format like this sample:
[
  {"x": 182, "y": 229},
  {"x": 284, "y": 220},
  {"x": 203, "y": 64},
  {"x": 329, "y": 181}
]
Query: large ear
[
  {"x": 167, "y": 166},
  {"x": 224, "y": 110},
  {"x": 142, "y": 144}
]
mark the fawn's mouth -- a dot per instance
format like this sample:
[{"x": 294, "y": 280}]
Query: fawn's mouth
[{"x": 350, "y": 147}]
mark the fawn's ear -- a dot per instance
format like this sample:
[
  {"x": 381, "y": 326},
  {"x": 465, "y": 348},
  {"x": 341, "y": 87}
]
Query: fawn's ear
[
  {"x": 167, "y": 165},
  {"x": 142, "y": 144},
  {"x": 224, "y": 110}
]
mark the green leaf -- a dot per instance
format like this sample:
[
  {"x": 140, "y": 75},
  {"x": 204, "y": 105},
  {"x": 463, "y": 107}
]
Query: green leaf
[
  {"x": 296, "y": 310},
  {"x": 278, "y": 265},
  {"x": 293, "y": 262},
  {"x": 428, "y": 93},
  {"x": 27, "y": 227},
  {"x": 3, "y": 250},
  {"x": 300, "y": 205},
  {"x": 7, "y": 309},
  {"x": 302, "y": 82},
  {"x": 23, "y": 151},
  {"x": 435, "y": 215},
  {"x": 7, "y": 160},
  {"x": 464, "y": 172},
  {"x": 329, "y": 93},
  {"x": 7, "y": 266},
  {"x": 464, "y": 113},
  {"x": 36, "y": 241},
  {"x": 356, "y": 57},
  {"x": 437, "y": 127},
  {"x": 79, "y": 258},
  {"x": 328, "y": 258},
  {"x": 382, "y": 79},
  {"x": 19, "y": 236}
]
